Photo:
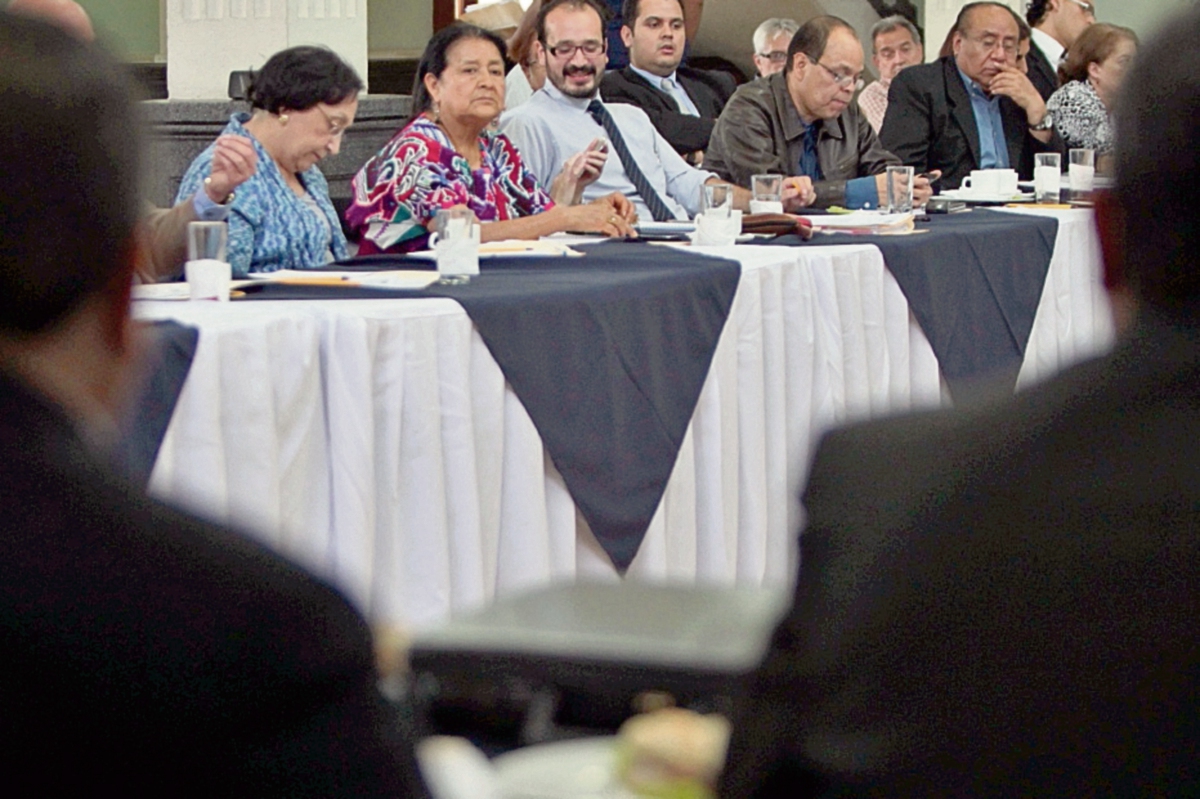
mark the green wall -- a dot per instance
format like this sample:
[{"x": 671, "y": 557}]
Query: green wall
[
  {"x": 130, "y": 27},
  {"x": 400, "y": 28},
  {"x": 397, "y": 28},
  {"x": 1144, "y": 16}
]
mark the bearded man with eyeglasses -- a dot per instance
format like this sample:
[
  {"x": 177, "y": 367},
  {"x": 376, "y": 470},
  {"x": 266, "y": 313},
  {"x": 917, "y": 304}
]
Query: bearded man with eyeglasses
[
  {"x": 567, "y": 115},
  {"x": 802, "y": 123},
  {"x": 973, "y": 109}
]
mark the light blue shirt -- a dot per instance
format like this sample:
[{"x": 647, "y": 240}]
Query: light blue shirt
[
  {"x": 993, "y": 147},
  {"x": 552, "y": 127},
  {"x": 860, "y": 192},
  {"x": 207, "y": 210},
  {"x": 670, "y": 85}
]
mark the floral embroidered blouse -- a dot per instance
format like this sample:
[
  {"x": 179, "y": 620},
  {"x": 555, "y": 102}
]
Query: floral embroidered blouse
[
  {"x": 1080, "y": 117},
  {"x": 270, "y": 227},
  {"x": 419, "y": 172}
]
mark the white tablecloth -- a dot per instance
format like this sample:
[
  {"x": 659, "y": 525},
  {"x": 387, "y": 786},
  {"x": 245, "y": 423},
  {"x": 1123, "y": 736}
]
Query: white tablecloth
[{"x": 377, "y": 442}]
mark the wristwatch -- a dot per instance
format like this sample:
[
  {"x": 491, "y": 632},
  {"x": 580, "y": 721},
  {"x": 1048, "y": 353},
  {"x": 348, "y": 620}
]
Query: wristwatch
[{"x": 1046, "y": 124}]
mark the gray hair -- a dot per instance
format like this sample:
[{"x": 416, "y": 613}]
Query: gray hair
[
  {"x": 770, "y": 28},
  {"x": 889, "y": 24}
]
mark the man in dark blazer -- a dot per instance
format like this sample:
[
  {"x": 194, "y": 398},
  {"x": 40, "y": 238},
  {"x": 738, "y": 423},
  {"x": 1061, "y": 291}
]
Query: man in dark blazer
[
  {"x": 1002, "y": 601},
  {"x": 145, "y": 652},
  {"x": 682, "y": 103},
  {"x": 974, "y": 109}
]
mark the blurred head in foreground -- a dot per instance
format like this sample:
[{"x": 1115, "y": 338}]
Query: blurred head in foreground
[
  {"x": 66, "y": 14},
  {"x": 1147, "y": 224},
  {"x": 69, "y": 200}
]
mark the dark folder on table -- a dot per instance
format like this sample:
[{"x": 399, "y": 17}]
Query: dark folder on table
[{"x": 579, "y": 658}]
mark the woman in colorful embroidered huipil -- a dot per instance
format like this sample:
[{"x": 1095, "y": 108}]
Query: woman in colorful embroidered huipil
[{"x": 448, "y": 155}]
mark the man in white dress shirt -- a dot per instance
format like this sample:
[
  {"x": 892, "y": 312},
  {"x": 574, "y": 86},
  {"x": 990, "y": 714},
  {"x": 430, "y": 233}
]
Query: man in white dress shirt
[
  {"x": 1056, "y": 25},
  {"x": 683, "y": 103},
  {"x": 567, "y": 115}
]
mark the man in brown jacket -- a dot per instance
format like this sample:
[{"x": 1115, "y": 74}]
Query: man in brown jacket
[{"x": 802, "y": 122}]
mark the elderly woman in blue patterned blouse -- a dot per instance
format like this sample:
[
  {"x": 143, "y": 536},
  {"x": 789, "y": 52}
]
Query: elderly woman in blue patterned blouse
[{"x": 303, "y": 100}]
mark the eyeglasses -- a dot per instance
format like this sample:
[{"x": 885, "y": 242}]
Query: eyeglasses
[
  {"x": 990, "y": 43},
  {"x": 775, "y": 56},
  {"x": 567, "y": 50},
  {"x": 1088, "y": 8},
  {"x": 336, "y": 127},
  {"x": 843, "y": 81}
]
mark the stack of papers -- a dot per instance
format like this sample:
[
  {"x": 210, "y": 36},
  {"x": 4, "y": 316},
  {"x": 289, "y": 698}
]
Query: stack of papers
[
  {"x": 541, "y": 247},
  {"x": 871, "y": 222}
]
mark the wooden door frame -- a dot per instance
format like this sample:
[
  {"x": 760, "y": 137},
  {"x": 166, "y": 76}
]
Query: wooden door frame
[{"x": 445, "y": 12}]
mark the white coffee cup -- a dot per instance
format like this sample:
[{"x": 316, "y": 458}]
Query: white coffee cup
[
  {"x": 208, "y": 279},
  {"x": 713, "y": 230},
  {"x": 991, "y": 182}
]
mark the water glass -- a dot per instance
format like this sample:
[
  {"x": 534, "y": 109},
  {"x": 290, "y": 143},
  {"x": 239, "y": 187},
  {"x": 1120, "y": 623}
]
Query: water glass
[
  {"x": 1047, "y": 177},
  {"x": 1082, "y": 171},
  {"x": 717, "y": 200},
  {"x": 899, "y": 189},
  {"x": 767, "y": 191},
  {"x": 207, "y": 241},
  {"x": 455, "y": 242},
  {"x": 207, "y": 269}
]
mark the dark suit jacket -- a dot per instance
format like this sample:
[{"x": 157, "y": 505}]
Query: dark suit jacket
[
  {"x": 1041, "y": 74},
  {"x": 149, "y": 653},
  {"x": 930, "y": 125},
  {"x": 709, "y": 90},
  {"x": 997, "y": 602}
]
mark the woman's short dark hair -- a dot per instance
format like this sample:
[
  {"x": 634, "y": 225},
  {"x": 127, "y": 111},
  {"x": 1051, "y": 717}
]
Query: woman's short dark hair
[
  {"x": 433, "y": 60},
  {"x": 1096, "y": 43},
  {"x": 300, "y": 77}
]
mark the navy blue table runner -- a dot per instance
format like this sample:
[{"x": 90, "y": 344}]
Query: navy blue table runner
[
  {"x": 170, "y": 352},
  {"x": 973, "y": 282},
  {"x": 608, "y": 354}
]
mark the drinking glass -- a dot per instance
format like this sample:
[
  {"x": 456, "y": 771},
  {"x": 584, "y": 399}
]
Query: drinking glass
[
  {"x": 717, "y": 200},
  {"x": 899, "y": 189},
  {"x": 1047, "y": 177},
  {"x": 455, "y": 242},
  {"x": 767, "y": 193},
  {"x": 1082, "y": 171}
]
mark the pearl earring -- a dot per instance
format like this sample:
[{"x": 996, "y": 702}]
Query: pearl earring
[
  {"x": 437, "y": 111},
  {"x": 283, "y": 119}
]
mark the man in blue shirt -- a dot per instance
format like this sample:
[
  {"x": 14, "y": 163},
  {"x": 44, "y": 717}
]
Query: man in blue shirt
[
  {"x": 801, "y": 122},
  {"x": 974, "y": 109},
  {"x": 567, "y": 115}
]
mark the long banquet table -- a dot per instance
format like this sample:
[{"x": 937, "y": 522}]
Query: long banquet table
[{"x": 377, "y": 441}]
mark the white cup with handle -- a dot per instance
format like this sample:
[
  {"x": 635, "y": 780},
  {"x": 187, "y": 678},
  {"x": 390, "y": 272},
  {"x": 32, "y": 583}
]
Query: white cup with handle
[{"x": 990, "y": 183}]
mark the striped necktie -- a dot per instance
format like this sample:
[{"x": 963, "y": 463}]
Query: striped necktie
[{"x": 658, "y": 208}]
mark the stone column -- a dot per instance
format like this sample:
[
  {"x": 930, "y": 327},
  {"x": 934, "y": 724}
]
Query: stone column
[{"x": 208, "y": 39}]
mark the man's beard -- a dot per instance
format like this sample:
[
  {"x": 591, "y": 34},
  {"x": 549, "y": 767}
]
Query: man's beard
[{"x": 579, "y": 93}]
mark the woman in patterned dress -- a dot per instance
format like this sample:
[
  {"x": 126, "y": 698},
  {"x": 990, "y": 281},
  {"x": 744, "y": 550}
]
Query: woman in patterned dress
[
  {"x": 303, "y": 99},
  {"x": 448, "y": 155},
  {"x": 1090, "y": 77}
]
